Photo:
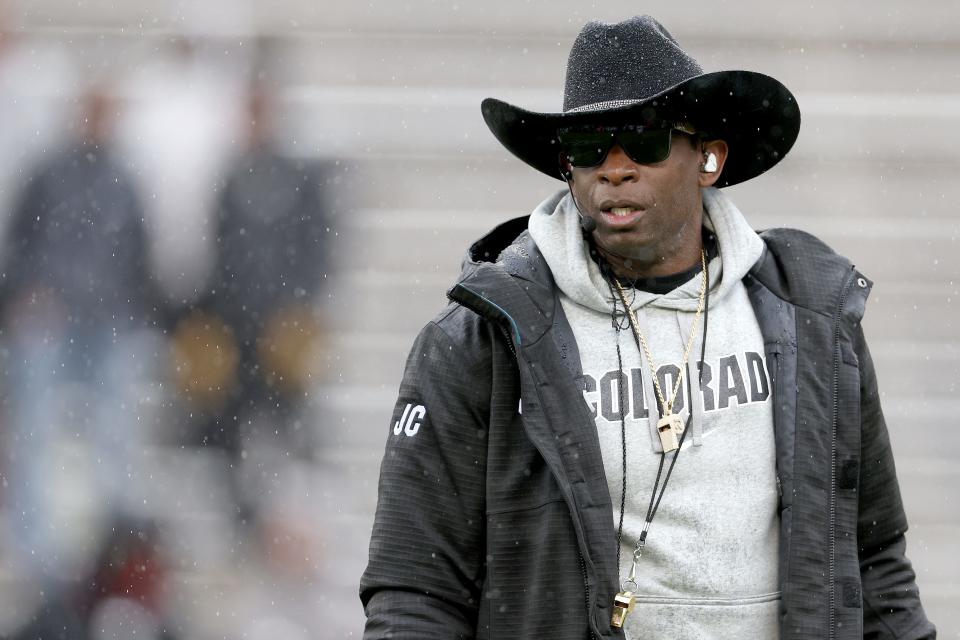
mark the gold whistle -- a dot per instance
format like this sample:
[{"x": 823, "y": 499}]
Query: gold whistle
[
  {"x": 670, "y": 427},
  {"x": 622, "y": 605}
]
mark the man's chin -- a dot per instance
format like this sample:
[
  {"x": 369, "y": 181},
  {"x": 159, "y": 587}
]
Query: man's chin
[{"x": 620, "y": 246}]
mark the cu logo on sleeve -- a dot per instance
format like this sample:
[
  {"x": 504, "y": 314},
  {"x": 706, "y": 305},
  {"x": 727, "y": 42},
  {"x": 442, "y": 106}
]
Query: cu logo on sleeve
[{"x": 409, "y": 422}]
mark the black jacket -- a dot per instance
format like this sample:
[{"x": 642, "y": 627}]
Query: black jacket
[{"x": 494, "y": 517}]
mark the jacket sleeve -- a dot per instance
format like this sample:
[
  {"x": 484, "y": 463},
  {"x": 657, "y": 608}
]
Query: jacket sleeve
[
  {"x": 891, "y": 600},
  {"x": 426, "y": 564}
]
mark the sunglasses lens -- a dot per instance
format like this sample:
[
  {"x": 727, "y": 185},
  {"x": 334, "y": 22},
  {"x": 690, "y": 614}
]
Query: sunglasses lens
[
  {"x": 645, "y": 146},
  {"x": 586, "y": 148}
]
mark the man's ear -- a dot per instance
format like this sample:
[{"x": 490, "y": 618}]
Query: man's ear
[
  {"x": 566, "y": 170},
  {"x": 713, "y": 156}
]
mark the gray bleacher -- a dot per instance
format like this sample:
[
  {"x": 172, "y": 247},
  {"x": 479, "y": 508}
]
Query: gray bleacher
[{"x": 387, "y": 93}]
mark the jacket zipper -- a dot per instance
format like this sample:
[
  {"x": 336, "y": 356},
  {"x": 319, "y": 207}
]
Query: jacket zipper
[
  {"x": 586, "y": 593},
  {"x": 777, "y": 393},
  {"x": 506, "y": 334},
  {"x": 833, "y": 459}
]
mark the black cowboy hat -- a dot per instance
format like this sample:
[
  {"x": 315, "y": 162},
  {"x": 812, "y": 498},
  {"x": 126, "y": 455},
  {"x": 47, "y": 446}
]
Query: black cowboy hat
[{"x": 634, "y": 72}]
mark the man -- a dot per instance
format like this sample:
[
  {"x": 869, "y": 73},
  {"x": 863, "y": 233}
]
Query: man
[
  {"x": 271, "y": 246},
  {"x": 76, "y": 295},
  {"x": 575, "y": 455}
]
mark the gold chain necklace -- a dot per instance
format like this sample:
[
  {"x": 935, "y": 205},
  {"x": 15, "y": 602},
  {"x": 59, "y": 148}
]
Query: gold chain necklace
[{"x": 669, "y": 426}]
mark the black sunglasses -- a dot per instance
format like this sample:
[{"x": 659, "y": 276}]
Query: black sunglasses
[{"x": 587, "y": 146}]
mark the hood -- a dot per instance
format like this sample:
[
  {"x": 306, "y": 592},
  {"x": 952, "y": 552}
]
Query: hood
[{"x": 555, "y": 228}]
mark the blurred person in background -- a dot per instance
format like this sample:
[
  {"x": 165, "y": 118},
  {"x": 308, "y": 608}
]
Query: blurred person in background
[
  {"x": 245, "y": 357},
  {"x": 179, "y": 132},
  {"x": 36, "y": 82},
  {"x": 75, "y": 291}
]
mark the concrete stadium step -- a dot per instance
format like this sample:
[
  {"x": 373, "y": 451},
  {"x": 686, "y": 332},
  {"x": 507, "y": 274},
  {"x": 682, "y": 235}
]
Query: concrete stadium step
[
  {"x": 928, "y": 20},
  {"x": 931, "y": 549},
  {"x": 940, "y": 605},
  {"x": 922, "y": 485},
  {"x": 925, "y": 21},
  {"x": 502, "y": 63},
  {"x": 912, "y": 365}
]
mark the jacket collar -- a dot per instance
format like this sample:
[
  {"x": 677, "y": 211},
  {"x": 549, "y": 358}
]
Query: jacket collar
[{"x": 508, "y": 250}]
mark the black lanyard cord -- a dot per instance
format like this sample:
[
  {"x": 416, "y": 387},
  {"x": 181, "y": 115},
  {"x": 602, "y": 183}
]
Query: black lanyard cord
[{"x": 655, "y": 498}]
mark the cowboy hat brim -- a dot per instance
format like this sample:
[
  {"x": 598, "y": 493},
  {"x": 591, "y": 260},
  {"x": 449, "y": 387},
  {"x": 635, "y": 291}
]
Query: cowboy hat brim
[{"x": 755, "y": 114}]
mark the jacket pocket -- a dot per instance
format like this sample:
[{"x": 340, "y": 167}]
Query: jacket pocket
[
  {"x": 774, "y": 363},
  {"x": 534, "y": 585}
]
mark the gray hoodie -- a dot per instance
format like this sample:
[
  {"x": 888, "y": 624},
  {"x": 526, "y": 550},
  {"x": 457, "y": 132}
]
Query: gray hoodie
[{"x": 709, "y": 569}]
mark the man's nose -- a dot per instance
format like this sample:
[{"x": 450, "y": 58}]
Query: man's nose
[{"x": 617, "y": 167}]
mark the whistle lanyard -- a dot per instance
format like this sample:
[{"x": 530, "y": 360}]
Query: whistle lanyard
[{"x": 629, "y": 586}]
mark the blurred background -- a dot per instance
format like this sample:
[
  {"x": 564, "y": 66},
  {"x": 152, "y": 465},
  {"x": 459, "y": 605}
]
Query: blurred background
[{"x": 224, "y": 221}]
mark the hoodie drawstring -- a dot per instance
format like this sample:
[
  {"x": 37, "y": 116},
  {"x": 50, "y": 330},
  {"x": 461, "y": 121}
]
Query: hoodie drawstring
[
  {"x": 695, "y": 397},
  {"x": 649, "y": 393}
]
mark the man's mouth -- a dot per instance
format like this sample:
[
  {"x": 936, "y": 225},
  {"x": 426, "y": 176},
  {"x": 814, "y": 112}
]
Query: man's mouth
[{"x": 621, "y": 214}]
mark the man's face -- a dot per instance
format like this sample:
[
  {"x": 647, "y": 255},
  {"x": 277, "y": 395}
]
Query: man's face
[{"x": 648, "y": 214}]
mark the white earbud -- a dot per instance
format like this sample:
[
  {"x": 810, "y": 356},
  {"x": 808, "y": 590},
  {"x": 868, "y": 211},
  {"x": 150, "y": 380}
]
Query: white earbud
[{"x": 709, "y": 164}]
